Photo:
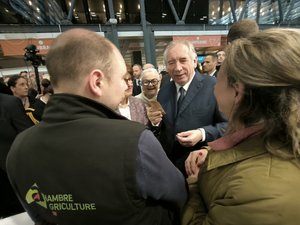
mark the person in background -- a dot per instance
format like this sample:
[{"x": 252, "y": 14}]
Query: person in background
[
  {"x": 13, "y": 120},
  {"x": 150, "y": 80},
  {"x": 84, "y": 163},
  {"x": 242, "y": 29},
  {"x": 252, "y": 173},
  {"x": 5, "y": 79},
  {"x": 165, "y": 78},
  {"x": 221, "y": 56},
  {"x": 36, "y": 111},
  {"x": 148, "y": 66},
  {"x": 24, "y": 74},
  {"x": 32, "y": 86},
  {"x": 130, "y": 107},
  {"x": 19, "y": 87},
  {"x": 192, "y": 117},
  {"x": 210, "y": 65},
  {"x": 137, "y": 71}
]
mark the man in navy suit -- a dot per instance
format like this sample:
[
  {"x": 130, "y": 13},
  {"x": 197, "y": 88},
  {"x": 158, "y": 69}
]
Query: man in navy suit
[{"x": 192, "y": 122}]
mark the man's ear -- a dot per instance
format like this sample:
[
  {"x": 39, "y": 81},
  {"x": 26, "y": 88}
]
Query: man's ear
[
  {"x": 95, "y": 82},
  {"x": 12, "y": 88},
  {"x": 239, "y": 91},
  {"x": 195, "y": 62}
]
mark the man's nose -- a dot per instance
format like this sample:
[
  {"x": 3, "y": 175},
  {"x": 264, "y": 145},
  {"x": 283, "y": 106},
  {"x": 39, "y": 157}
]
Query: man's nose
[{"x": 178, "y": 66}]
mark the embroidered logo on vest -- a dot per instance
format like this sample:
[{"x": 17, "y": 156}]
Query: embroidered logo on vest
[{"x": 56, "y": 202}]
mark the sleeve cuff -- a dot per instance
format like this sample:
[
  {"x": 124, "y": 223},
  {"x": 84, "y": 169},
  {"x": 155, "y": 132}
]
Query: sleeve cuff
[{"x": 203, "y": 134}]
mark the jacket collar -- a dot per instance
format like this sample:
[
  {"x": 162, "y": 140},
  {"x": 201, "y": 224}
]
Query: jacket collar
[
  {"x": 251, "y": 147},
  {"x": 232, "y": 139},
  {"x": 65, "y": 107}
]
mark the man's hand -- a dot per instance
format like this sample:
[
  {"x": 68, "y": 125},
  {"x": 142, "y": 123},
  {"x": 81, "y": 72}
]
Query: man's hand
[{"x": 189, "y": 138}]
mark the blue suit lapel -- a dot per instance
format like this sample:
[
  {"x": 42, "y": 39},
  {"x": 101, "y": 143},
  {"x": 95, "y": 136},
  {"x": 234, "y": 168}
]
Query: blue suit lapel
[
  {"x": 167, "y": 97},
  {"x": 173, "y": 98}
]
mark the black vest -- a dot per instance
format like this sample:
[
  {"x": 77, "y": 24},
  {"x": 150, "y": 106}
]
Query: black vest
[{"x": 83, "y": 171}]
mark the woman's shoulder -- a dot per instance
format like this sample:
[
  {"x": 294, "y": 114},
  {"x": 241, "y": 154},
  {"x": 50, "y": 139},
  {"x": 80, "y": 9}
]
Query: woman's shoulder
[
  {"x": 251, "y": 161},
  {"x": 248, "y": 148},
  {"x": 135, "y": 100}
]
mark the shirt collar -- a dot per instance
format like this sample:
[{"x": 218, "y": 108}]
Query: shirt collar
[
  {"x": 186, "y": 86},
  {"x": 211, "y": 74}
]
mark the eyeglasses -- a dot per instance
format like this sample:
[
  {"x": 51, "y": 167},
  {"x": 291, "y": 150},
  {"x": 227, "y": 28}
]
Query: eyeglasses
[{"x": 148, "y": 82}]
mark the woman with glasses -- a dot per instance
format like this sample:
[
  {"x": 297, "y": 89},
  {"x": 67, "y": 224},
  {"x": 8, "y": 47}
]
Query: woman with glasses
[
  {"x": 150, "y": 80},
  {"x": 130, "y": 107}
]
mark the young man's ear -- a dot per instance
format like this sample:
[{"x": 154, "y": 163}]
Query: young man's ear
[
  {"x": 95, "y": 82},
  {"x": 12, "y": 88}
]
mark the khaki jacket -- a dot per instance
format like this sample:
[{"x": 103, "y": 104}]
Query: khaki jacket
[{"x": 245, "y": 185}]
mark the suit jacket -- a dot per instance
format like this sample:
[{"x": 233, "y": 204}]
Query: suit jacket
[
  {"x": 4, "y": 89},
  {"x": 136, "y": 87},
  {"x": 165, "y": 80},
  {"x": 199, "y": 110},
  {"x": 215, "y": 73}
]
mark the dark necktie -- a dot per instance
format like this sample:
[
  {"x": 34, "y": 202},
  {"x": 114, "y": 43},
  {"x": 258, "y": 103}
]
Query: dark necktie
[{"x": 180, "y": 99}]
